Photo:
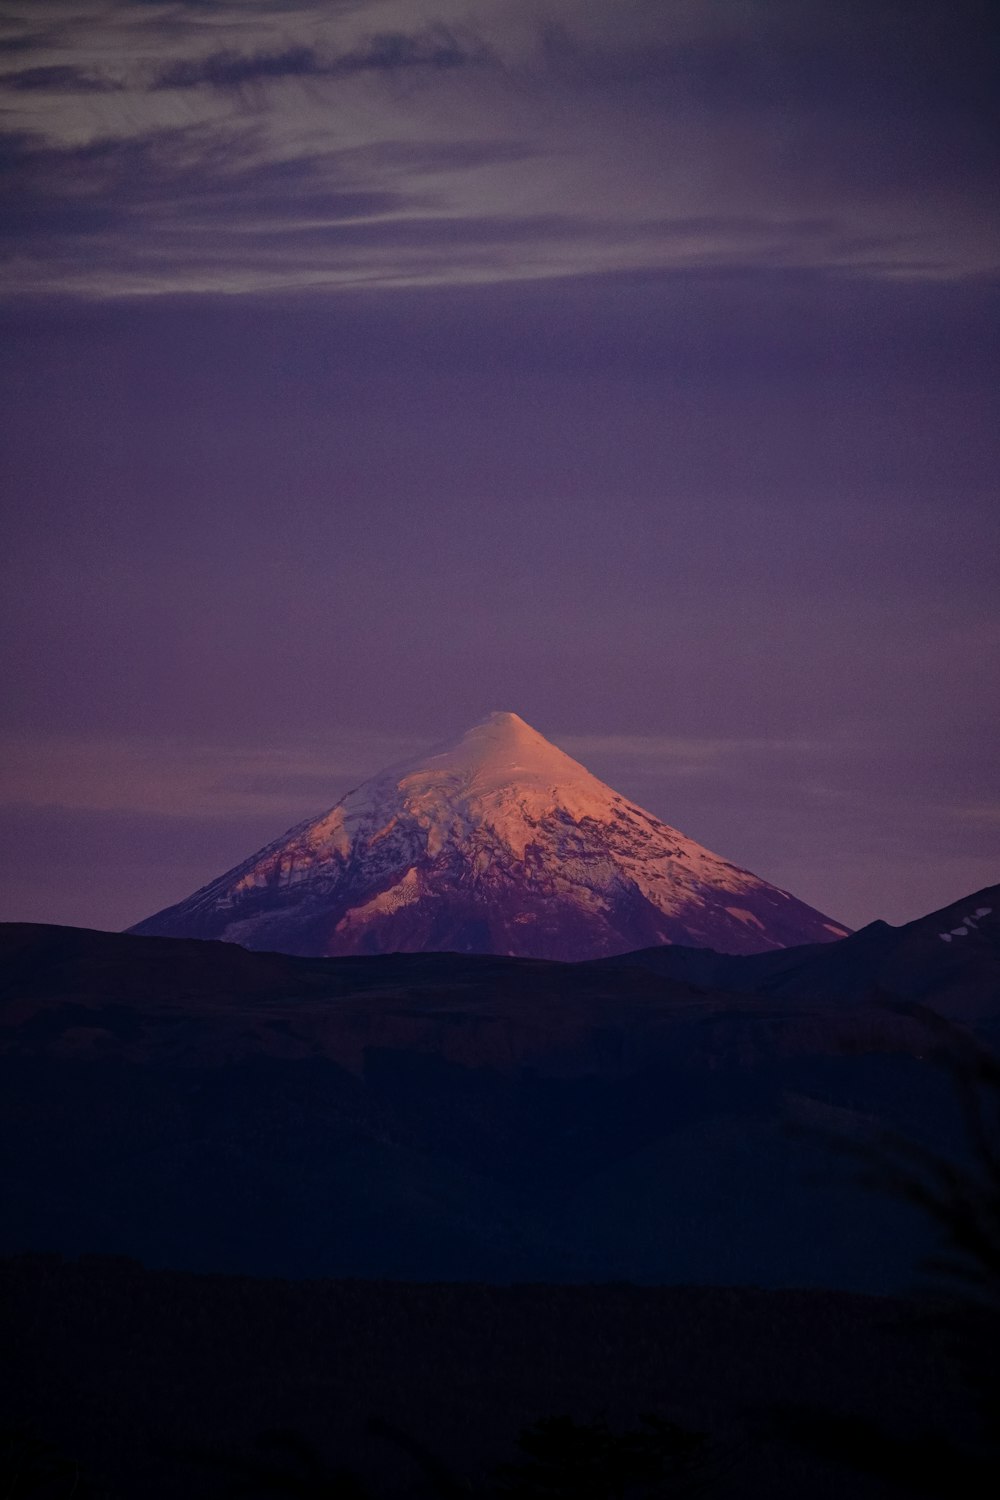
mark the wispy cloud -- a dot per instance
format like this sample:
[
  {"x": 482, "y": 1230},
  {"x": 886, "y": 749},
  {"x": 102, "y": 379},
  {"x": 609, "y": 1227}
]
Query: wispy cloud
[
  {"x": 184, "y": 780},
  {"x": 208, "y": 208},
  {"x": 598, "y": 140},
  {"x": 437, "y": 48},
  {"x": 61, "y": 78},
  {"x": 985, "y": 813},
  {"x": 672, "y": 754},
  {"x": 159, "y": 206}
]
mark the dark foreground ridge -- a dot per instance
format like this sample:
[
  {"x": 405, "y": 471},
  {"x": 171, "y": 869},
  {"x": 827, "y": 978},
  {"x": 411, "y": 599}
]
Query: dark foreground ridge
[
  {"x": 450, "y": 1117},
  {"x": 159, "y": 1384},
  {"x": 949, "y": 960},
  {"x": 639, "y": 1162}
]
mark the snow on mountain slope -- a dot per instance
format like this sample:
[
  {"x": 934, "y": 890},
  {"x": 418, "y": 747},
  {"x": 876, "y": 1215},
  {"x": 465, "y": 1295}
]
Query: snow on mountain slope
[{"x": 497, "y": 842}]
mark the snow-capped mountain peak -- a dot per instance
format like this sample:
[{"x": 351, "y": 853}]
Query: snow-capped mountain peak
[
  {"x": 500, "y": 771},
  {"x": 497, "y": 841}
]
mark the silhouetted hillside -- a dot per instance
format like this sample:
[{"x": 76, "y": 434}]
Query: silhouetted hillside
[
  {"x": 442, "y": 1116},
  {"x": 949, "y": 960},
  {"x": 160, "y": 1384}
]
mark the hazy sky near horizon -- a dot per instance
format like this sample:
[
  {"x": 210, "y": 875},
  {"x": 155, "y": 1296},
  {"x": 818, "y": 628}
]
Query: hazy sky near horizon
[{"x": 370, "y": 366}]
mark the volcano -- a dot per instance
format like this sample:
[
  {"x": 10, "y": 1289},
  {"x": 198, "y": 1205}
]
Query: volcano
[{"x": 497, "y": 842}]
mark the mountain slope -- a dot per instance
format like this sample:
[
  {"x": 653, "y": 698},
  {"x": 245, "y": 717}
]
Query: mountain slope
[{"x": 495, "y": 843}]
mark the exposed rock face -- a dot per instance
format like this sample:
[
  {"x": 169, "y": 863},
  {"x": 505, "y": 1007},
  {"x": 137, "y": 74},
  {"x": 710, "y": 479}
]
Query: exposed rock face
[{"x": 497, "y": 842}]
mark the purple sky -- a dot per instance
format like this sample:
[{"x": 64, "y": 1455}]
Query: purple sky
[{"x": 369, "y": 366}]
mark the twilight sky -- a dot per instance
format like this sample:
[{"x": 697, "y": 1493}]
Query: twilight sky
[{"x": 630, "y": 364}]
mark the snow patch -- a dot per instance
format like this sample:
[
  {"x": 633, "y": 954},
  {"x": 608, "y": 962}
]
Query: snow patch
[
  {"x": 742, "y": 915},
  {"x": 404, "y": 893}
]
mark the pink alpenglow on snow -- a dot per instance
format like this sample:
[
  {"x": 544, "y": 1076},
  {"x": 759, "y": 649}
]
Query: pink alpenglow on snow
[{"x": 496, "y": 842}]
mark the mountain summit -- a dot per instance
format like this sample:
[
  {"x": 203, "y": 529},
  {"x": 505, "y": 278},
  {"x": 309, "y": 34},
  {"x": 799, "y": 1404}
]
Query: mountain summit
[{"x": 497, "y": 842}]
